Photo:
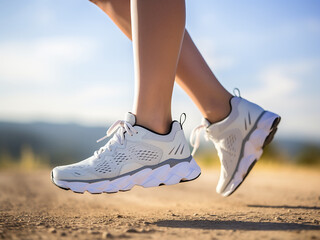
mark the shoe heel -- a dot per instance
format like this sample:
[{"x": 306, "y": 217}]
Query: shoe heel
[
  {"x": 272, "y": 133},
  {"x": 265, "y": 131},
  {"x": 194, "y": 172},
  {"x": 269, "y": 122}
]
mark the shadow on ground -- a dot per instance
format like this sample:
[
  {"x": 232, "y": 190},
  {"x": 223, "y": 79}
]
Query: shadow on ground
[
  {"x": 285, "y": 207},
  {"x": 234, "y": 225}
]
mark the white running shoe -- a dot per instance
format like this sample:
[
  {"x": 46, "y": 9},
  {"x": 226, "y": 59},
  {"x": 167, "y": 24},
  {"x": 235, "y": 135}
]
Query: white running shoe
[
  {"x": 133, "y": 156},
  {"x": 239, "y": 140}
]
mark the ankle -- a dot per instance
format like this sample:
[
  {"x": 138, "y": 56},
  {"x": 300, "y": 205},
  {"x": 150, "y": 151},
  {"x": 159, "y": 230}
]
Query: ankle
[
  {"x": 155, "y": 123},
  {"x": 218, "y": 110}
]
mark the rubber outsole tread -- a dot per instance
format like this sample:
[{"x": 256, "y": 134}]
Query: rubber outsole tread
[
  {"x": 269, "y": 138},
  {"x": 274, "y": 129},
  {"x": 161, "y": 184},
  {"x": 183, "y": 181}
]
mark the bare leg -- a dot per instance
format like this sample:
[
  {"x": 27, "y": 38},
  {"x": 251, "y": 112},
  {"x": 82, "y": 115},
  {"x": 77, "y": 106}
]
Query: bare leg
[
  {"x": 157, "y": 32},
  {"x": 193, "y": 74},
  {"x": 198, "y": 81}
]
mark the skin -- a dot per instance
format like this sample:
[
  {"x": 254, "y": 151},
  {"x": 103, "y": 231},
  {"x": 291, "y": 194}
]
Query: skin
[
  {"x": 192, "y": 72},
  {"x": 157, "y": 32}
]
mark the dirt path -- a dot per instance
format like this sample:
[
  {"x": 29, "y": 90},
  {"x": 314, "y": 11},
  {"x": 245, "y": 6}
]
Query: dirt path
[{"x": 271, "y": 204}]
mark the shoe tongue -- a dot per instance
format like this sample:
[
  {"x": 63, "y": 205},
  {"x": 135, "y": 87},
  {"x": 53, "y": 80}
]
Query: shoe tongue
[
  {"x": 130, "y": 118},
  {"x": 205, "y": 122}
]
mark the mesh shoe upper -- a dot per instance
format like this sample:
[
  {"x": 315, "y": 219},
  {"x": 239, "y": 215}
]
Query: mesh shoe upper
[{"x": 131, "y": 148}]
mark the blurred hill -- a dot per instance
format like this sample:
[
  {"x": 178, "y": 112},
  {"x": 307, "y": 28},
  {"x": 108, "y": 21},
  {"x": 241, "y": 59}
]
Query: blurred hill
[
  {"x": 60, "y": 143},
  {"x": 67, "y": 143}
]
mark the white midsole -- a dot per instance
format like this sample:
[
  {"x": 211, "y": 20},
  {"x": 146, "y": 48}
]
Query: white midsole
[
  {"x": 252, "y": 149},
  {"x": 146, "y": 178}
]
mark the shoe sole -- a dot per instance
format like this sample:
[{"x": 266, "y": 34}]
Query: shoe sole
[
  {"x": 267, "y": 123},
  {"x": 147, "y": 177}
]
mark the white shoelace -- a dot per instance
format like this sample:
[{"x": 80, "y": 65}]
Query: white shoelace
[
  {"x": 195, "y": 137},
  {"x": 122, "y": 127}
]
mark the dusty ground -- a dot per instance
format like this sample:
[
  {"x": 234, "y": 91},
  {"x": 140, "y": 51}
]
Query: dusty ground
[{"x": 272, "y": 204}]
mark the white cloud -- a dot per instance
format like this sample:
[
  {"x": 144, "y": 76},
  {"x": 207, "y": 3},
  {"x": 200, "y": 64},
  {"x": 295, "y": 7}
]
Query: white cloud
[
  {"x": 95, "y": 104},
  {"x": 282, "y": 88},
  {"x": 34, "y": 86},
  {"x": 43, "y": 59}
]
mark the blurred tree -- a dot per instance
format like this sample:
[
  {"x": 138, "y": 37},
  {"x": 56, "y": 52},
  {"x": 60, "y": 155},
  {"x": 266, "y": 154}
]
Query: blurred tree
[
  {"x": 309, "y": 155},
  {"x": 6, "y": 160}
]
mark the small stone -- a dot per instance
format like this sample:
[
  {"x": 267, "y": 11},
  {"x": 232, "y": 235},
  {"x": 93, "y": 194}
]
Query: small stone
[
  {"x": 128, "y": 224},
  {"x": 119, "y": 216},
  {"x": 278, "y": 218},
  {"x": 147, "y": 230},
  {"x": 93, "y": 232},
  {"x": 315, "y": 221},
  {"x": 195, "y": 214},
  {"x": 52, "y": 230},
  {"x": 63, "y": 234},
  {"x": 174, "y": 215},
  {"x": 299, "y": 218},
  {"x": 132, "y": 230},
  {"x": 147, "y": 223},
  {"x": 107, "y": 235}
]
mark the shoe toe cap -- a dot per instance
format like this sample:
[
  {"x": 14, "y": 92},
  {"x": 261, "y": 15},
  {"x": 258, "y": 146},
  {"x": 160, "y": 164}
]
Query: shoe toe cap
[{"x": 61, "y": 173}]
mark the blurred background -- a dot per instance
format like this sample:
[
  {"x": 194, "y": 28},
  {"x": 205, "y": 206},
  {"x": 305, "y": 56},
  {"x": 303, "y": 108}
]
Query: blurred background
[{"x": 66, "y": 73}]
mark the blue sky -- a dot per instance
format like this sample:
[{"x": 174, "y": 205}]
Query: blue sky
[{"x": 65, "y": 61}]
